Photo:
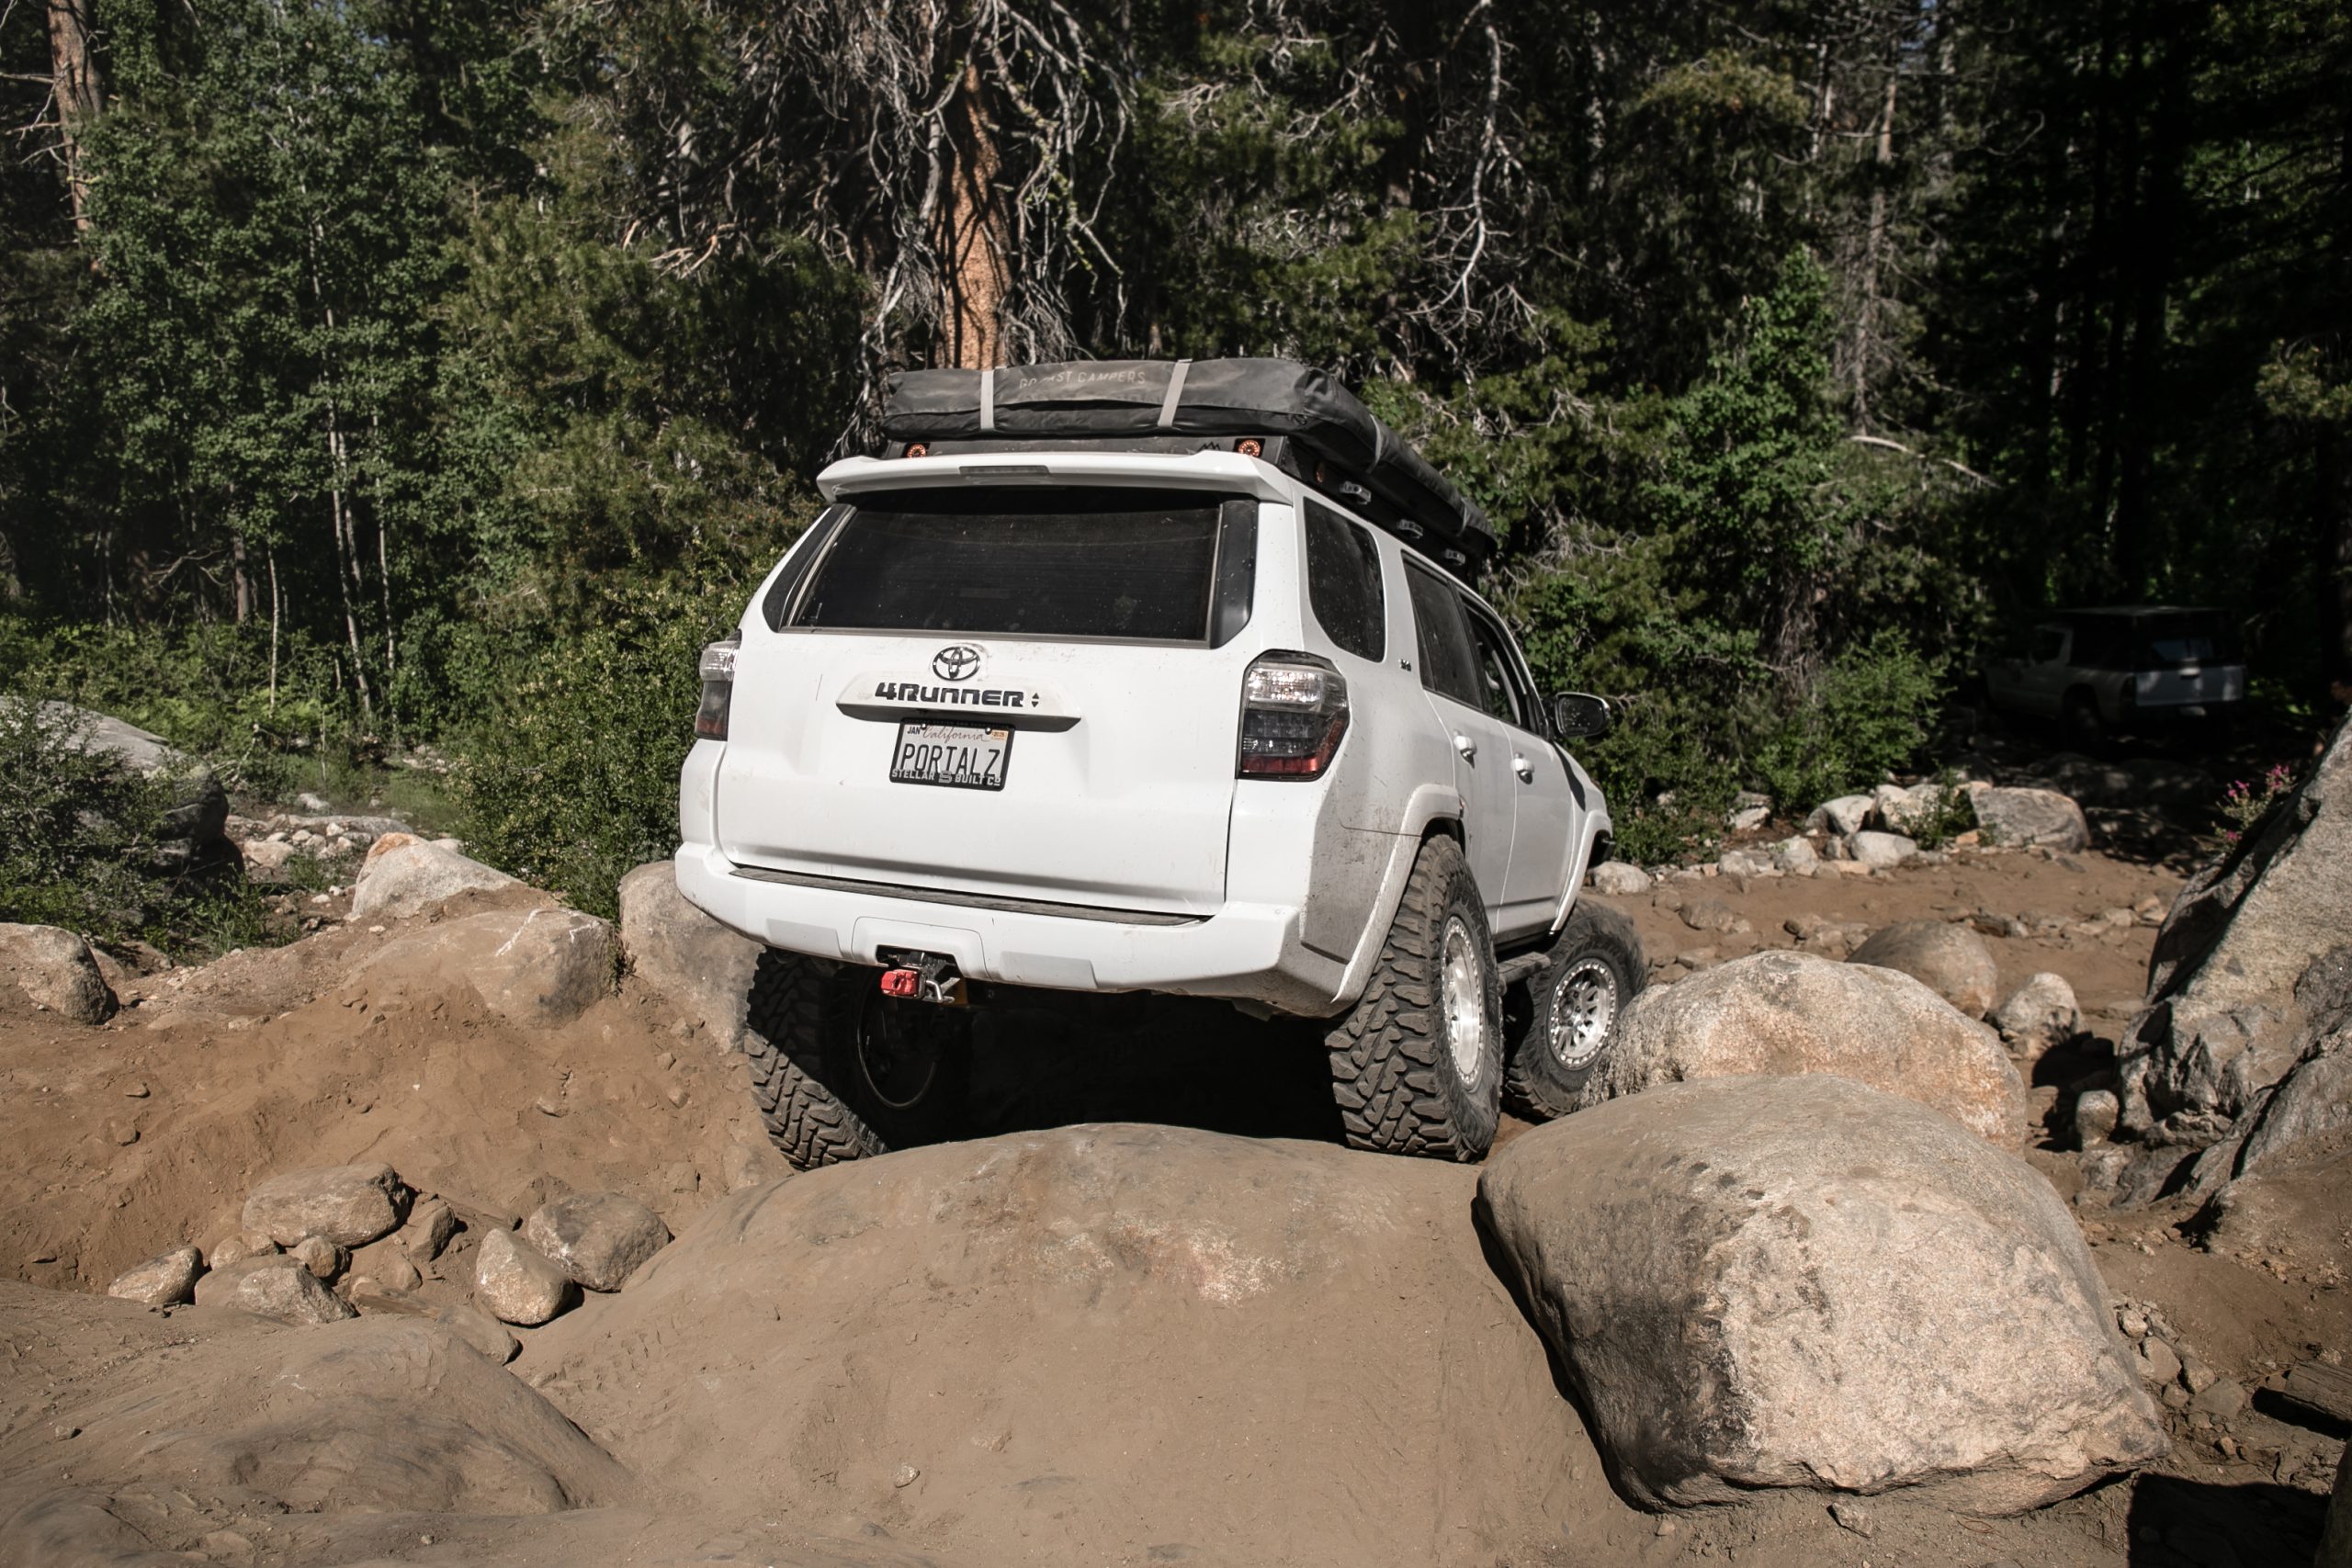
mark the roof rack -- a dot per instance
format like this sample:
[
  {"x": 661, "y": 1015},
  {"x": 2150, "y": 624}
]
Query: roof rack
[{"x": 1299, "y": 419}]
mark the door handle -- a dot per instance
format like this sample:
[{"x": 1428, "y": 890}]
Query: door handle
[
  {"x": 1468, "y": 746},
  {"x": 1524, "y": 769}
]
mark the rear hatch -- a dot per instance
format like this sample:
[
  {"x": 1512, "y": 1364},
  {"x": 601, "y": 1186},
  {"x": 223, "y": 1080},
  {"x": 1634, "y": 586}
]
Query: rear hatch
[
  {"x": 2185, "y": 660},
  {"x": 1023, "y": 693}
]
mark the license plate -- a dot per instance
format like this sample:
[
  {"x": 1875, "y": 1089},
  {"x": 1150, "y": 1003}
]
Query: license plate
[{"x": 960, "y": 756}]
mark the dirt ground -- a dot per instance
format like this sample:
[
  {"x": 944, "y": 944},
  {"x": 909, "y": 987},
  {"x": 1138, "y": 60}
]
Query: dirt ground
[{"x": 737, "y": 1437}]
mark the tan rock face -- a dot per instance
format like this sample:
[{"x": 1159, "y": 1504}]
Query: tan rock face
[
  {"x": 1800, "y": 1282},
  {"x": 598, "y": 1239},
  {"x": 704, "y": 968},
  {"x": 404, "y": 875},
  {"x": 54, "y": 970},
  {"x": 515, "y": 1284},
  {"x": 1950, "y": 960},
  {"x": 539, "y": 968},
  {"x": 275, "y": 1287},
  {"x": 165, "y": 1280},
  {"x": 349, "y": 1205},
  {"x": 1787, "y": 1013}
]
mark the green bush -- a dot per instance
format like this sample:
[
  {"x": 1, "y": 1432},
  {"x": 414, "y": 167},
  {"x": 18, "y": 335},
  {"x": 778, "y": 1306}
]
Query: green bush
[
  {"x": 1866, "y": 713},
  {"x": 81, "y": 847},
  {"x": 572, "y": 779}
]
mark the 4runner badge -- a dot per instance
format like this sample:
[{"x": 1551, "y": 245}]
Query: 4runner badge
[{"x": 956, "y": 661}]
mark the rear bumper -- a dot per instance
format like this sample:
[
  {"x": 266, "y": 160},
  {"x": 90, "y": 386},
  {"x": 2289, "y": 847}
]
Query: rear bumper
[{"x": 1244, "y": 952}]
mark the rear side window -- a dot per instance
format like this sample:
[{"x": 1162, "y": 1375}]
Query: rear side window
[
  {"x": 1097, "y": 562},
  {"x": 1449, "y": 660},
  {"x": 1343, "y": 583},
  {"x": 1499, "y": 686}
]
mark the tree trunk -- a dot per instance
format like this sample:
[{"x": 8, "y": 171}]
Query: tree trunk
[
  {"x": 974, "y": 278},
  {"x": 74, "y": 75},
  {"x": 1865, "y": 346}
]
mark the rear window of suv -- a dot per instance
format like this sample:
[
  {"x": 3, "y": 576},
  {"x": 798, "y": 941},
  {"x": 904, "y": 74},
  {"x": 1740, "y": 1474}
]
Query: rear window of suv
[{"x": 1067, "y": 562}]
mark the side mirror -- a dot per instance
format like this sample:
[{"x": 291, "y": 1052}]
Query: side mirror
[{"x": 1580, "y": 716}]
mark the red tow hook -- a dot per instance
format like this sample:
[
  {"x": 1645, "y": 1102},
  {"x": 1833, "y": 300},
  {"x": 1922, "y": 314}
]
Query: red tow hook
[{"x": 901, "y": 982}]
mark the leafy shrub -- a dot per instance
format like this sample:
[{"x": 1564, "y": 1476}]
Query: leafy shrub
[
  {"x": 1866, "y": 714},
  {"x": 2248, "y": 801},
  {"x": 82, "y": 847},
  {"x": 572, "y": 779},
  {"x": 1952, "y": 814}
]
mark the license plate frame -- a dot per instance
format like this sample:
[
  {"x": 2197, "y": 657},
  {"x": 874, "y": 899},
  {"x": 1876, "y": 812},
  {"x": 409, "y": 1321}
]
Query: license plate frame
[{"x": 932, "y": 769}]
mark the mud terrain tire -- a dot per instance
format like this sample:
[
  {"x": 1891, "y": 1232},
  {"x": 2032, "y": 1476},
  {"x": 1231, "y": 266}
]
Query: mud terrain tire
[
  {"x": 1563, "y": 1029},
  {"x": 1402, "y": 1086},
  {"x": 812, "y": 1025}
]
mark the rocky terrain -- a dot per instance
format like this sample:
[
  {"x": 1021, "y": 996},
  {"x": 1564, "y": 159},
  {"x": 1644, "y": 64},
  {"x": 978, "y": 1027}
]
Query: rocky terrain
[{"x": 1982, "y": 1205}]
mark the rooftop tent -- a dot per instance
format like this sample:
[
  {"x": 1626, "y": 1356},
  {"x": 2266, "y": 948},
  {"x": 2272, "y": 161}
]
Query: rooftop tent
[{"x": 1141, "y": 401}]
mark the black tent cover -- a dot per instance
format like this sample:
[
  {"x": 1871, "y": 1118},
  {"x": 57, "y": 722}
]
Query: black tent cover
[{"x": 1106, "y": 398}]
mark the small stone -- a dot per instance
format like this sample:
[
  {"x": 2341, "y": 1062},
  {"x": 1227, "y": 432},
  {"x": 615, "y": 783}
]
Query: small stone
[
  {"x": 517, "y": 1285},
  {"x": 1874, "y": 851},
  {"x": 390, "y": 1271},
  {"x": 2175, "y": 1397},
  {"x": 1620, "y": 879},
  {"x": 675, "y": 1095},
  {"x": 322, "y": 1258},
  {"x": 136, "y": 1091},
  {"x": 350, "y": 1205},
  {"x": 2133, "y": 1323},
  {"x": 483, "y": 1332},
  {"x": 2157, "y": 1363},
  {"x": 121, "y": 1133},
  {"x": 2196, "y": 1373},
  {"x": 546, "y": 1107},
  {"x": 427, "y": 1230},
  {"x": 165, "y": 1280},
  {"x": 1712, "y": 915},
  {"x": 2037, "y": 1015},
  {"x": 275, "y": 1287},
  {"x": 1795, "y": 854},
  {"x": 597, "y": 1239},
  {"x": 237, "y": 1247},
  {"x": 905, "y": 1475},
  {"x": 2095, "y": 1117},
  {"x": 1852, "y": 1517},
  {"x": 665, "y": 1061},
  {"x": 1665, "y": 1526}
]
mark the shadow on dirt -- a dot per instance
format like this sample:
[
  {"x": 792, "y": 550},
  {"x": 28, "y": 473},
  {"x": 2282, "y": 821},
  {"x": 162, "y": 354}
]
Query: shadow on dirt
[
  {"x": 2177, "y": 1523},
  {"x": 1172, "y": 1060}
]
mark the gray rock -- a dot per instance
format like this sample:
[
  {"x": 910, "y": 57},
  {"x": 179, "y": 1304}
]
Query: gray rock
[
  {"x": 165, "y": 1280},
  {"x": 2037, "y": 1015},
  {"x": 2024, "y": 817},
  {"x": 240, "y": 1245},
  {"x": 1800, "y": 1282},
  {"x": 268, "y": 854},
  {"x": 55, "y": 970},
  {"x": 2222, "y": 1399},
  {"x": 1750, "y": 817},
  {"x": 275, "y": 1287},
  {"x": 1787, "y": 1013},
  {"x": 1746, "y": 862},
  {"x": 515, "y": 1284},
  {"x": 598, "y": 1239},
  {"x": 1898, "y": 810},
  {"x": 349, "y": 1205},
  {"x": 311, "y": 803},
  {"x": 2095, "y": 1116},
  {"x": 1712, "y": 915},
  {"x": 481, "y": 1331},
  {"x": 1950, "y": 960},
  {"x": 701, "y": 966},
  {"x": 386, "y": 1271},
  {"x": 1795, "y": 854},
  {"x": 320, "y": 1256},
  {"x": 1878, "y": 850},
  {"x": 2157, "y": 1362},
  {"x": 539, "y": 968},
  {"x": 1620, "y": 879},
  {"x": 2315, "y": 1095},
  {"x": 1846, "y": 816},
  {"x": 751, "y": 1164},
  {"x": 200, "y": 813},
  {"x": 404, "y": 875}
]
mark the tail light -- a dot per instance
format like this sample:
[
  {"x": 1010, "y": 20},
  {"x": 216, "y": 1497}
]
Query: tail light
[
  {"x": 717, "y": 665},
  {"x": 1293, "y": 713}
]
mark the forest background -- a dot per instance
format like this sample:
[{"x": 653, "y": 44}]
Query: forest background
[{"x": 400, "y": 381}]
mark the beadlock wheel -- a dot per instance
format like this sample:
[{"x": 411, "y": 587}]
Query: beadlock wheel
[{"x": 1584, "y": 1009}]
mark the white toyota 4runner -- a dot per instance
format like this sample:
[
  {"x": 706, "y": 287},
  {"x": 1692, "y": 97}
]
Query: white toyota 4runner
[{"x": 1142, "y": 677}]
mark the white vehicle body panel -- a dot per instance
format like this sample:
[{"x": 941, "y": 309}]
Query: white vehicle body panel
[{"x": 1122, "y": 853}]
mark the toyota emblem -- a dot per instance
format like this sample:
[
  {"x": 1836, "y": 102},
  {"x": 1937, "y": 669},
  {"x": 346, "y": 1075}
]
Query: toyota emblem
[{"x": 956, "y": 661}]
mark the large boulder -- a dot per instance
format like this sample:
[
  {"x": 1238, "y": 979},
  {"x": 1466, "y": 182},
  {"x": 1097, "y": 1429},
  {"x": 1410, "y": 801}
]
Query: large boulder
[
  {"x": 515, "y": 1283},
  {"x": 2222, "y": 1023},
  {"x": 2031, "y": 818},
  {"x": 1950, "y": 960},
  {"x": 1879, "y": 851},
  {"x": 1620, "y": 879},
  {"x": 165, "y": 1280},
  {"x": 1105, "y": 1337},
  {"x": 405, "y": 875},
  {"x": 597, "y": 1238},
  {"x": 55, "y": 970},
  {"x": 349, "y": 1205},
  {"x": 2315, "y": 1095},
  {"x": 193, "y": 832},
  {"x": 1787, "y": 1013},
  {"x": 275, "y": 1287},
  {"x": 701, "y": 966},
  {"x": 1756, "y": 1282},
  {"x": 537, "y": 967},
  {"x": 1846, "y": 816}
]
